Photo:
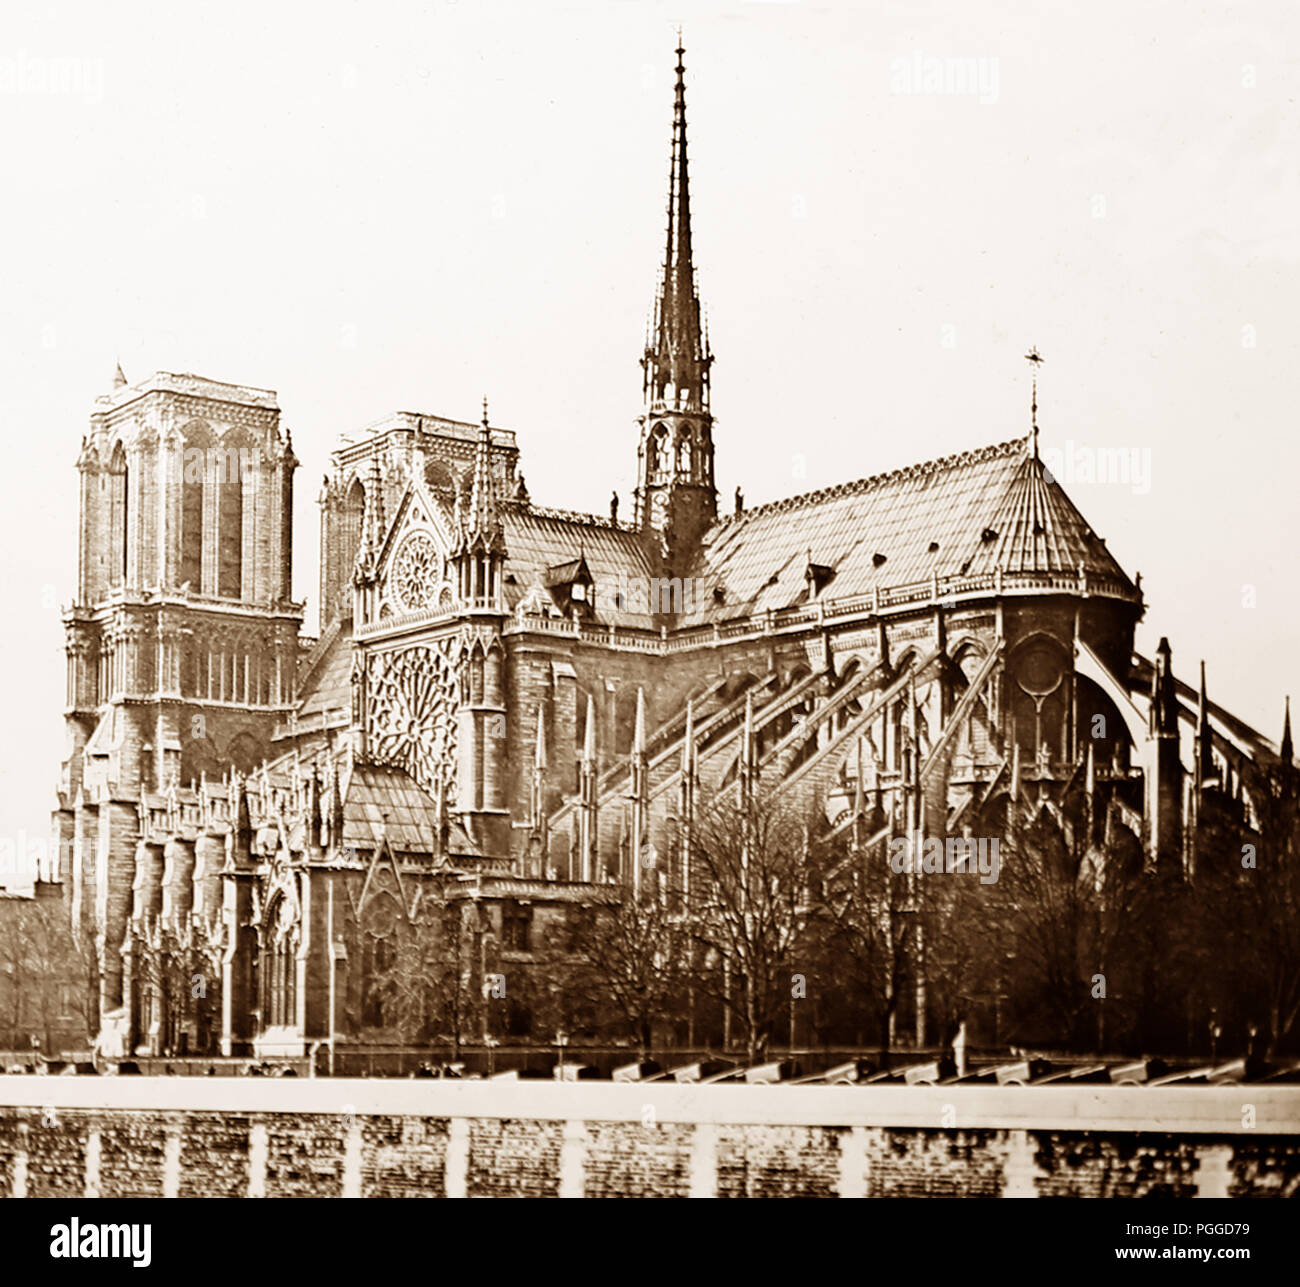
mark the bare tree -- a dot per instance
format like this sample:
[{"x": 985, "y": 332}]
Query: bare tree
[
  {"x": 755, "y": 882},
  {"x": 637, "y": 955},
  {"x": 1059, "y": 932},
  {"x": 425, "y": 988},
  {"x": 43, "y": 976},
  {"x": 870, "y": 929},
  {"x": 1248, "y": 897}
]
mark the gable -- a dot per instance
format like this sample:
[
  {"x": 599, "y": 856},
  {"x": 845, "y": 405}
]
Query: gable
[{"x": 413, "y": 572}]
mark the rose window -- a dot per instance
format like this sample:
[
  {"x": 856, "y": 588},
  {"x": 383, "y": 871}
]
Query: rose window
[
  {"x": 413, "y": 703},
  {"x": 415, "y": 572}
]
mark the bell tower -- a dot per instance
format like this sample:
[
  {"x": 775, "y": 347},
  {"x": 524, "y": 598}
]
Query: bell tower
[
  {"x": 182, "y": 641},
  {"x": 676, "y": 499}
]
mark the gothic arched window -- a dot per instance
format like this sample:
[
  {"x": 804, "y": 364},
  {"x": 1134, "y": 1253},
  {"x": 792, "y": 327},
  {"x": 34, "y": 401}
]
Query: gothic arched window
[
  {"x": 350, "y": 520},
  {"x": 119, "y": 515},
  {"x": 231, "y": 464},
  {"x": 279, "y": 971},
  {"x": 194, "y": 467}
]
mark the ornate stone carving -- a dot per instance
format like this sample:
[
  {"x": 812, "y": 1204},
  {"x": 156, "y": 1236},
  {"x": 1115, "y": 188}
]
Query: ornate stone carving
[
  {"x": 412, "y": 699},
  {"x": 416, "y": 572}
]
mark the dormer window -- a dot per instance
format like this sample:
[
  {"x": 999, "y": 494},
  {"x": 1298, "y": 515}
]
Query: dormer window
[
  {"x": 572, "y": 588},
  {"x": 818, "y": 576}
]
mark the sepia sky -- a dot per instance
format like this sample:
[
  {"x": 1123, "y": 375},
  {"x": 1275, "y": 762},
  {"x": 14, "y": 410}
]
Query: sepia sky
[{"x": 409, "y": 206}]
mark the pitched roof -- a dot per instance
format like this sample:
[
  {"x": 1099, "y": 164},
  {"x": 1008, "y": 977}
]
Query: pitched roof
[
  {"x": 539, "y": 540},
  {"x": 961, "y": 515},
  {"x": 378, "y": 797},
  {"x": 326, "y": 682}
]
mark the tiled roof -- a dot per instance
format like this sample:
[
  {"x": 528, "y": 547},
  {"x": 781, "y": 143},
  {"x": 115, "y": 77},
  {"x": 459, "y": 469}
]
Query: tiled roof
[
  {"x": 327, "y": 683},
  {"x": 961, "y": 515},
  {"x": 1038, "y": 529},
  {"x": 377, "y": 797},
  {"x": 538, "y": 540}
]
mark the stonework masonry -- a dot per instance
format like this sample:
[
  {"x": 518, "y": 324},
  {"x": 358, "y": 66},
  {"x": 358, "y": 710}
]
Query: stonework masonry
[{"x": 145, "y": 1137}]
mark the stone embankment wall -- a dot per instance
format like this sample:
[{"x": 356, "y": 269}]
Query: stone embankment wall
[{"x": 237, "y": 1137}]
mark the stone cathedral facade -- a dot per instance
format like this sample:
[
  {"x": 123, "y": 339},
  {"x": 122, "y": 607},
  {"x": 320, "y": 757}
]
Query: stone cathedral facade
[{"x": 512, "y": 704}]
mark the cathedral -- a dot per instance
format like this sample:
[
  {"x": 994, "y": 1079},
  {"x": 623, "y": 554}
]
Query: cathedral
[{"x": 520, "y": 707}]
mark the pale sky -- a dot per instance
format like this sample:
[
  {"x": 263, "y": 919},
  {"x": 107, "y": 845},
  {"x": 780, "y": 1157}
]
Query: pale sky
[{"x": 409, "y": 206}]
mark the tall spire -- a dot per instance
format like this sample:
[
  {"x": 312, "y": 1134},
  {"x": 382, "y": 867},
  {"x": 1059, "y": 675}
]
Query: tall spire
[
  {"x": 677, "y": 358},
  {"x": 1287, "y": 748}
]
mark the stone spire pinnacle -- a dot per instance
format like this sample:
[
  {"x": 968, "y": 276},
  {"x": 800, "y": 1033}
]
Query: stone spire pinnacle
[
  {"x": 642, "y": 851},
  {"x": 1287, "y": 748},
  {"x": 119, "y": 376},
  {"x": 588, "y": 829},
  {"x": 372, "y": 533},
  {"x": 539, "y": 754},
  {"x": 747, "y": 746},
  {"x": 589, "y": 734},
  {"x": 638, "y": 739},
  {"x": 483, "y": 517},
  {"x": 1204, "y": 734}
]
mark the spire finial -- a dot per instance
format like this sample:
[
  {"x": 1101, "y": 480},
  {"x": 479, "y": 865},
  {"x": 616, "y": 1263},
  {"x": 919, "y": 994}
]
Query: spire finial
[
  {"x": 485, "y": 414},
  {"x": 1034, "y": 357},
  {"x": 1287, "y": 748},
  {"x": 119, "y": 376}
]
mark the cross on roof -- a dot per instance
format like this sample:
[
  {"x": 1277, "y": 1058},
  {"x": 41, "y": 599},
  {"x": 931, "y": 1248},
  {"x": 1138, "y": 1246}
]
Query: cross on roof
[{"x": 1036, "y": 358}]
